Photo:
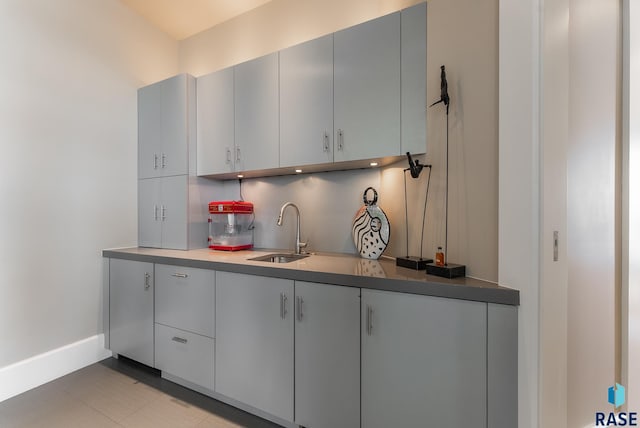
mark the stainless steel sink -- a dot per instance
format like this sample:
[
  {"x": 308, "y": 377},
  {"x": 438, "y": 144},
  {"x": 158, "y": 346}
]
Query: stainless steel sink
[{"x": 279, "y": 258}]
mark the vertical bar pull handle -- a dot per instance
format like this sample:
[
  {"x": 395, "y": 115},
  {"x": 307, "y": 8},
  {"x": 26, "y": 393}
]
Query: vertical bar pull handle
[
  {"x": 299, "y": 303},
  {"x": 164, "y": 161},
  {"x": 325, "y": 142},
  {"x": 155, "y": 212},
  {"x": 163, "y": 213},
  {"x": 237, "y": 154},
  {"x": 369, "y": 320},
  {"x": 147, "y": 280},
  {"x": 340, "y": 139},
  {"x": 228, "y": 161},
  {"x": 155, "y": 161},
  {"x": 282, "y": 305}
]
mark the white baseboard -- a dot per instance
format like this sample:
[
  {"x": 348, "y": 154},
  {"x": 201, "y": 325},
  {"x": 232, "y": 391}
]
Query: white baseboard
[{"x": 40, "y": 369}]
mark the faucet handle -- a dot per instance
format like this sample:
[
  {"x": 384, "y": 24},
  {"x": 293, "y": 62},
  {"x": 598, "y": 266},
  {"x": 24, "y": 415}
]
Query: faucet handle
[{"x": 302, "y": 245}]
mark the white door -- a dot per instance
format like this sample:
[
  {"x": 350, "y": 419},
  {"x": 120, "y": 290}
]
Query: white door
[
  {"x": 254, "y": 341},
  {"x": 306, "y": 103},
  {"x": 367, "y": 89},
  {"x": 131, "y": 309},
  {"x": 215, "y": 124},
  {"x": 424, "y": 361},
  {"x": 327, "y": 356}
]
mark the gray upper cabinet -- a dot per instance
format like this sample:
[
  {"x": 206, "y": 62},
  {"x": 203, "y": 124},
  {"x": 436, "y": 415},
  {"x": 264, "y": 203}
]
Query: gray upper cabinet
[
  {"x": 367, "y": 90},
  {"x": 327, "y": 356},
  {"x": 306, "y": 103},
  {"x": 413, "y": 79},
  {"x": 256, "y": 114},
  {"x": 423, "y": 358},
  {"x": 216, "y": 141},
  {"x": 131, "y": 309},
  {"x": 163, "y": 127}
]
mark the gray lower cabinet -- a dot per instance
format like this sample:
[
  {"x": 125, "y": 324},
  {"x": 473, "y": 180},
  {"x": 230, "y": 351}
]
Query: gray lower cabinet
[
  {"x": 131, "y": 309},
  {"x": 424, "y": 361},
  {"x": 327, "y": 356},
  {"x": 254, "y": 341},
  {"x": 185, "y": 324}
]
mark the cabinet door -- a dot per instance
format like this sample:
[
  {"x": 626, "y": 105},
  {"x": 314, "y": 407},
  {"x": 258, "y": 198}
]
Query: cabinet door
[
  {"x": 254, "y": 341},
  {"x": 131, "y": 309},
  {"x": 174, "y": 108},
  {"x": 215, "y": 123},
  {"x": 414, "y": 79},
  {"x": 173, "y": 212},
  {"x": 256, "y": 114},
  {"x": 367, "y": 89},
  {"x": 149, "y": 131},
  {"x": 327, "y": 356},
  {"x": 306, "y": 103},
  {"x": 185, "y": 298},
  {"x": 149, "y": 212},
  {"x": 423, "y": 359}
]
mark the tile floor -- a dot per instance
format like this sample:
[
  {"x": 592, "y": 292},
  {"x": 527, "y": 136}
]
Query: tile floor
[{"x": 119, "y": 393}]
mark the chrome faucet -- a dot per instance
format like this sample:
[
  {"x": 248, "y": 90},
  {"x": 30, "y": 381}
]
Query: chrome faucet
[{"x": 299, "y": 245}]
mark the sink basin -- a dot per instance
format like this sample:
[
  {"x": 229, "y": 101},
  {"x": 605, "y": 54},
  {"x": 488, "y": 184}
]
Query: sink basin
[{"x": 280, "y": 258}]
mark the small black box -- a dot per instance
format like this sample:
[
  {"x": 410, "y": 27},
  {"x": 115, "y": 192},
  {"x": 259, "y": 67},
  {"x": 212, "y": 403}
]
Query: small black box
[
  {"x": 414, "y": 263},
  {"x": 450, "y": 270}
]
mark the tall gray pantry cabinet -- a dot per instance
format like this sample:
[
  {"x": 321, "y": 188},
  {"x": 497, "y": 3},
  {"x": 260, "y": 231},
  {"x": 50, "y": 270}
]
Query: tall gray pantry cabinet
[{"x": 172, "y": 201}]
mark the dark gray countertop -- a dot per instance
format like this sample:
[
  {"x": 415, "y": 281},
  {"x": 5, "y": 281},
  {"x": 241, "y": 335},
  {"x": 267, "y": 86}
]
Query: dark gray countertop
[{"x": 339, "y": 269}]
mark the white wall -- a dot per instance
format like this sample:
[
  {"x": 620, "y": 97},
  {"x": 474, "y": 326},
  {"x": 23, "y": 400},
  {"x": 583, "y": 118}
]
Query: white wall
[
  {"x": 462, "y": 34},
  {"x": 69, "y": 71}
]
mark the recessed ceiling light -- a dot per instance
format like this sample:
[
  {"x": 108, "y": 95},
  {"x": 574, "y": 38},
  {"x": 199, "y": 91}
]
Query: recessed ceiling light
[
  {"x": 298, "y": 171},
  {"x": 240, "y": 176},
  {"x": 374, "y": 164}
]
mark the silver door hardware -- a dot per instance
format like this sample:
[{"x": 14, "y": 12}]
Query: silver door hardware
[
  {"x": 155, "y": 161},
  {"x": 325, "y": 142},
  {"x": 155, "y": 212},
  {"x": 163, "y": 213},
  {"x": 180, "y": 275},
  {"x": 147, "y": 280},
  {"x": 340, "y": 139},
  {"x": 179, "y": 339},
  {"x": 237, "y": 154},
  {"x": 555, "y": 245},
  {"x": 283, "y": 305},
  {"x": 299, "y": 303},
  {"x": 228, "y": 155},
  {"x": 369, "y": 320},
  {"x": 164, "y": 160}
]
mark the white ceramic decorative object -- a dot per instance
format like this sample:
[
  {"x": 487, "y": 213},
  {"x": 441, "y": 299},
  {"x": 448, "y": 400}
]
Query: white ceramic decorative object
[{"x": 370, "y": 228}]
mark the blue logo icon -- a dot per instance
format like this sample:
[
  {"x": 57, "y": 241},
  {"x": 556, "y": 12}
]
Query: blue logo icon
[{"x": 616, "y": 395}]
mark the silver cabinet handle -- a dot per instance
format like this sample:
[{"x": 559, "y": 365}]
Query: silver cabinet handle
[
  {"x": 180, "y": 275},
  {"x": 179, "y": 339},
  {"x": 340, "y": 139},
  {"x": 299, "y": 302},
  {"x": 155, "y": 161},
  {"x": 228, "y": 161},
  {"x": 237, "y": 154},
  {"x": 147, "y": 280},
  {"x": 155, "y": 212},
  {"x": 283, "y": 305},
  {"x": 369, "y": 320},
  {"x": 325, "y": 142},
  {"x": 163, "y": 164},
  {"x": 163, "y": 213}
]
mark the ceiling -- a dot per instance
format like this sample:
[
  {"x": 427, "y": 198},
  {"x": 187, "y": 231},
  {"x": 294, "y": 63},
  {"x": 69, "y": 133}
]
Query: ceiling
[{"x": 184, "y": 18}]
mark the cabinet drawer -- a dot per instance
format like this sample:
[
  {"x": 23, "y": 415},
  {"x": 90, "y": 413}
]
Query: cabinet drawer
[
  {"x": 186, "y": 355},
  {"x": 185, "y": 298}
]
